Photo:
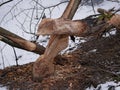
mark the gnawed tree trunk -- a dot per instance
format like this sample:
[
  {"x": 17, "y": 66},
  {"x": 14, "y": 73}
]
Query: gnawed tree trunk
[
  {"x": 59, "y": 30},
  {"x": 44, "y": 67}
]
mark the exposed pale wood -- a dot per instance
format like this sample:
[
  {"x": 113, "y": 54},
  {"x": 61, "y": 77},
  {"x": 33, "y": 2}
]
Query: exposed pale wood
[
  {"x": 55, "y": 45},
  {"x": 19, "y": 42},
  {"x": 115, "y": 21},
  {"x": 61, "y": 26}
]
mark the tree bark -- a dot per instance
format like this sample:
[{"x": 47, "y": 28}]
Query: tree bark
[
  {"x": 71, "y": 9},
  {"x": 19, "y": 42}
]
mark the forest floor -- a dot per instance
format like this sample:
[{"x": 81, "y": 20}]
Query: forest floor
[{"x": 92, "y": 63}]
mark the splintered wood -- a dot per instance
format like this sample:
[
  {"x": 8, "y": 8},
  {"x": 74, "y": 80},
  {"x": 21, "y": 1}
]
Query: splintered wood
[{"x": 61, "y": 26}]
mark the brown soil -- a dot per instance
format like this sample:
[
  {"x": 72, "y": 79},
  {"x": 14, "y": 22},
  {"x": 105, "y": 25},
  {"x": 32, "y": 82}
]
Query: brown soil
[{"x": 75, "y": 71}]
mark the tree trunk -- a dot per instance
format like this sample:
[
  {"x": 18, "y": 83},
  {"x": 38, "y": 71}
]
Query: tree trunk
[
  {"x": 19, "y": 42},
  {"x": 44, "y": 67}
]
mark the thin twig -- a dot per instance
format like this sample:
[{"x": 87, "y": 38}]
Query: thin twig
[
  {"x": 39, "y": 20},
  {"x": 31, "y": 19},
  {"x": 93, "y": 6},
  {"x": 50, "y": 6},
  {"x": 2, "y": 57},
  {"x": 5, "y": 2},
  {"x": 10, "y": 11},
  {"x": 16, "y": 58}
]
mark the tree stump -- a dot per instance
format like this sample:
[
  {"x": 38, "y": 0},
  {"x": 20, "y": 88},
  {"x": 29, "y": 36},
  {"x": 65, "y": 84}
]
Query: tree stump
[{"x": 42, "y": 68}]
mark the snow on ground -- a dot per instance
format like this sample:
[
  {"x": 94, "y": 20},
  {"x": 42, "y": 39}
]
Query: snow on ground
[
  {"x": 106, "y": 86},
  {"x": 7, "y": 57},
  {"x": 3, "y": 88}
]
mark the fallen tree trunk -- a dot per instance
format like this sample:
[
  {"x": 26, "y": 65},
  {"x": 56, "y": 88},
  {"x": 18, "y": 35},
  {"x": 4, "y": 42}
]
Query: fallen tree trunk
[{"x": 19, "y": 42}]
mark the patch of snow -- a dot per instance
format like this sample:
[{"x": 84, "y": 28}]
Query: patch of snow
[
  {"x": 90, "y": 88},
  {"x": 43, "y": 40},
  {"x": 106, "y": 86},
  {"x": 3, "y": 88},
  {"x": 108, "y": 34},
  {"x": 113, "y": 32},
  {"x": 118, "y": 72}
]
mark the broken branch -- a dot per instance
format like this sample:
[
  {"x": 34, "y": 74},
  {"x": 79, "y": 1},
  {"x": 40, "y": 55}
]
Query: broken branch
[{"x": 19, "y": 42}]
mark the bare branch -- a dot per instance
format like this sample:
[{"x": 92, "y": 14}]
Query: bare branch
[
  {"x": 10, "y": 11},
  {"x": 16, "y": 58},
  {"x": 71, "y": 9},
  {"x": 5, "y": 2},
  {"x": 50, "y": 6},
  {"x": 31, "y": 19},
  {"x": 93, "y": 6}
]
